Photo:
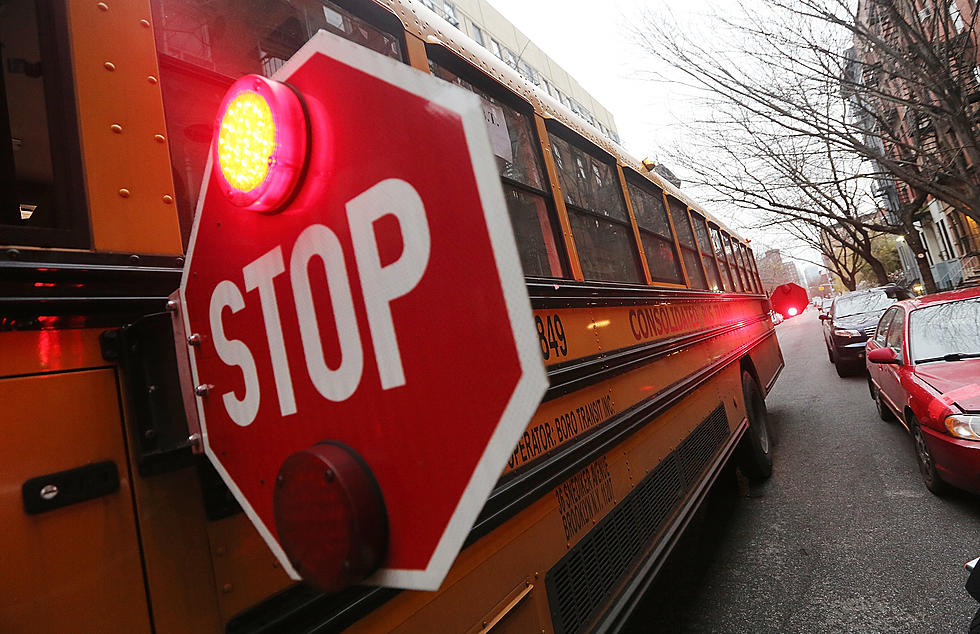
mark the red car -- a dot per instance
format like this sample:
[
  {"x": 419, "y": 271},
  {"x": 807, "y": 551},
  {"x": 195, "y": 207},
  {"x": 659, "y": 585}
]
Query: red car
[{"x": 924, "y": 369}]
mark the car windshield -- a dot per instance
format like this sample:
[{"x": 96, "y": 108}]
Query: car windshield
[
  {"x": 859, "y": 303},
  {"x": 946, "y": 329}
]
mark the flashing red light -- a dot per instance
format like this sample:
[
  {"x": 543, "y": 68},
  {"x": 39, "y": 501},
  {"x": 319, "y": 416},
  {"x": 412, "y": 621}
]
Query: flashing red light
[
  {"x": 330, "y": 516},
  {"x": 792, "y": 311},
  {"x": 260, "y": 143}
]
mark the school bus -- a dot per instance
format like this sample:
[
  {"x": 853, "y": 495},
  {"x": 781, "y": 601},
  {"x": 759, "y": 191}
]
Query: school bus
[{"x": 650, "y": 316}]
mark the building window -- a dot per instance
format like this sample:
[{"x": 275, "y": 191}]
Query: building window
[
  {"x": 478, "y": 36},
  {"x": 955, "y": 17},
  {"x": 495, "y": 48}
]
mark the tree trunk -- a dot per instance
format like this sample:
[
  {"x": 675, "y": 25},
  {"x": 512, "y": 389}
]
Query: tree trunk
[
  {"x": 912, "y": 238},
  {"x": 881, "y": 275}
]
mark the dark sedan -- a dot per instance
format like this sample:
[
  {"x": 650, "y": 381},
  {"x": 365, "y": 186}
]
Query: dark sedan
[{"x": 852, "y": 318}]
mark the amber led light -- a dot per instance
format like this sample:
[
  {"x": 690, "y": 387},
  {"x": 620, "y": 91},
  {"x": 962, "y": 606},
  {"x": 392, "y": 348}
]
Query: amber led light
[{"x": 260, "y": 147}]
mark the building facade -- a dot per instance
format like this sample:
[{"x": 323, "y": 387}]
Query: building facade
[
  {"x": 774, "y": 271},
  {"x": 951, "y": 239},
  {"x": 491, "y": 30}
]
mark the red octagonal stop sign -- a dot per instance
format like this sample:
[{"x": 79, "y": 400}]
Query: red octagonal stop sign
[{"x": 384, "y": 309}]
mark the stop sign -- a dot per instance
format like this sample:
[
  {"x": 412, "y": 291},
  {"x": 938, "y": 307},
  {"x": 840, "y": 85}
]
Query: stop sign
[{"x": 382, "y": 310}]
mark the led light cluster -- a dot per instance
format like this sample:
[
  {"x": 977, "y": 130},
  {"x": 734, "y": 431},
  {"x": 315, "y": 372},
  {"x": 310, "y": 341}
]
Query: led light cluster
[{"x": 261, "y": 143}]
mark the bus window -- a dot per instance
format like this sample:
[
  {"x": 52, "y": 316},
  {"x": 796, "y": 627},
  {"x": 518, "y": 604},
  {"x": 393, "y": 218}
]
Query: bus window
[
  {"x": 204, "y": 45},
  {"x": 733, "y": 267},
  {"x": 682, "y": 225},
  {"x": 515, "y": 146},
  {"x": 715, "y": 282},
  {"x": 755, "y": 270},
  {"x": 41, "y": 200},
  {"x": 724, "y": 270},
  {"x": 739, "y": 260},
  {"x": 597, "y": 213},
  {"x": 655, "y": 234}
]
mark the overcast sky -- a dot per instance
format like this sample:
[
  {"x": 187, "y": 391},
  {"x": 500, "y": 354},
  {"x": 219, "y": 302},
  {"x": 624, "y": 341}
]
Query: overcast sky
[{"x": 591, "y": 40}]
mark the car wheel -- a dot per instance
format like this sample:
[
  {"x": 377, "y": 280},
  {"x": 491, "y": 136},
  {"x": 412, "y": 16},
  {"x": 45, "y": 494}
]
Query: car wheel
[
  {"x": 927, "y": 464},
  {"x": 754, "y": 452},
  {"x": 884, "y": 413},
  {"x": 843, "y": 368},
  {"x": 871, "y": 388},
  {"x": 830, "y": 354}
]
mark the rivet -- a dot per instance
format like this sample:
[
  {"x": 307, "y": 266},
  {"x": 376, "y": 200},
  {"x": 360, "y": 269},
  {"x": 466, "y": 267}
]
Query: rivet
[
  {"x": 109, "y": 66},
  {"x": 194, "y": 339},
  {"x": 168, "y": 199},
  {"x": 194, "y": 440},
  {"x": 102, "y": 6},
  {"x": 115, "y": 127},
  {"x": 220, "y": 550},
  {"x": 172, "y": 305},
  {"x": 226, "y": 588},
  {"x": 134, "y": 259},
  {"x": 328, "y": 475},
  {"x": 124, "y": 192},
  {"x": 159, "y": 138},
  {"x": 151, "y": 79},
  {"x": 13, "y": 254},
  {"x": 202, "y": 390},
  {"x": 145, "y": 23},
  {"x": 49, "y": 491}
]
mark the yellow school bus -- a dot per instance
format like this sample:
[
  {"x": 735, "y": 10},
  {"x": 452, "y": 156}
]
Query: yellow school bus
[{"x": 650, "y": 316}]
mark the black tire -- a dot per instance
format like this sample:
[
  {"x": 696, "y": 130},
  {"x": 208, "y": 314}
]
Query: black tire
[
  {"x": 830, "y": 354},
  {"x": 871, "y": 388},
  {"x": 754, "y": 453},
  {"x": 844, "y": 368},
  {"x": 927, "y": 464},
  {"x": 884, "y": 413},
  {"x": 975, "y": 623}
]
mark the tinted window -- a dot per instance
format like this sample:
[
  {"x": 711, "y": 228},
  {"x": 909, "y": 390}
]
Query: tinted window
[
  {"x": 597, "y": 213},
  {"x": 943, "y": 329},
  {"x": 516, "y": 149},
  {"x": 204, "y": 45},
  {"x": 722, "y": 256},
  {"x": 707, "y": 253},
  {"x": 882, "y": 330},
  {"x": 896, "y": 332},
  {"x": 39, "y": 205},
  {"x": 655, "y": 234},
  {"x": 685, "y": 237}
]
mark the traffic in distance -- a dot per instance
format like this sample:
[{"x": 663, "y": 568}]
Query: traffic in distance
[{"x": 322, "y": 317}]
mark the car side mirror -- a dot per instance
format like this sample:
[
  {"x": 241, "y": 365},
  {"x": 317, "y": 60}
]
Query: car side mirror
[
  {"x": 824, "y": 316},
  {"x": 884, "y": 355}
]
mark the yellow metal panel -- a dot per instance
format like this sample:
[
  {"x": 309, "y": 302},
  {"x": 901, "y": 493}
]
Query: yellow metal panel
[
  {"x": 177, "y": 553},
  {"x": 35, "y": 351},
  {"x": 74, "y": 569},
  {"x": 123, "y": 136},
  {"x": 245, "y": 570}
]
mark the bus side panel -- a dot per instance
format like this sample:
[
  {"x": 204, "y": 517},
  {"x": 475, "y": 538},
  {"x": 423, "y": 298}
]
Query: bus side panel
[
  {"x": 768, "y": 361},
  {"x": 488, "y": 581},
  {"x": 75, "y": 568}
]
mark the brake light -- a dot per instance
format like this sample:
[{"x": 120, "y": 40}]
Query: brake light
[{"x": 260, "y": 149}]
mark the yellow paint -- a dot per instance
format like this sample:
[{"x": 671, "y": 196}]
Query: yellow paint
[
  {"x": 77, "y": 568},
  {"x": 127, "y": 175}
]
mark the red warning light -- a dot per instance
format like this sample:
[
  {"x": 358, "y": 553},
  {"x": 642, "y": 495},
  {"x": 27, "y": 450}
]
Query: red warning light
[
  {"x": 792, "y": 312},
  {"x": 260, "y": 143}
]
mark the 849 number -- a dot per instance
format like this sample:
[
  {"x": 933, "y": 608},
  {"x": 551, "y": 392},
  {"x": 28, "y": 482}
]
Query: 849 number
[{"x": 551, "y": 336}]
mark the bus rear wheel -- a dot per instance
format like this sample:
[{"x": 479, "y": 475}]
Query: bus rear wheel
[{"x": 754, "y": 453}]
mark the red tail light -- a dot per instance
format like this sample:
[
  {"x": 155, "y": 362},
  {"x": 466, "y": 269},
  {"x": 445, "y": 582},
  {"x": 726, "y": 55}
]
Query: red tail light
[{"x": 260, "y": 143}]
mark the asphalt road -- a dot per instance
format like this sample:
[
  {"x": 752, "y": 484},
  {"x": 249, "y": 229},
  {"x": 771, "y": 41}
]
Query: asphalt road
[{"x": 844, "y": 537}]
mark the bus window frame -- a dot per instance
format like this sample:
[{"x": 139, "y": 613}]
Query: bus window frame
[
  {"x": 68, "y": 187},
  {"x": 555, "y": 128},
  {"x": 443, "y": 56},
  {"x": 695, "y": 217},
  {"x": 634, "y": 178},
  {"x": 715, "y": 230}
]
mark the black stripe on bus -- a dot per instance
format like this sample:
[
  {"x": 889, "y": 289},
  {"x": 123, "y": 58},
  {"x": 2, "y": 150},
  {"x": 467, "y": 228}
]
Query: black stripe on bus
[
  {"x": 561, "y": 293},
  {"x": 574, "y": 375}
]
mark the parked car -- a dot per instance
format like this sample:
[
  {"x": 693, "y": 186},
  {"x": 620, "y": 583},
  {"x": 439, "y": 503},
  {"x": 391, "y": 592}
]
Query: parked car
[
  {"x": 851, "y": 319},
  {"x": 924, "y": 370}
]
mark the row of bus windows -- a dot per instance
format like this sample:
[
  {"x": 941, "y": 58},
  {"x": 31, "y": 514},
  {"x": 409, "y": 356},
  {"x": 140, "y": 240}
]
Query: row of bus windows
[{"x": 599, "y": 216}]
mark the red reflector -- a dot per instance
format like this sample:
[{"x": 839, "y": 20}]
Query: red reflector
[
  {"x": 259, "y": 148},
  {"x": 330, "y": 516}
]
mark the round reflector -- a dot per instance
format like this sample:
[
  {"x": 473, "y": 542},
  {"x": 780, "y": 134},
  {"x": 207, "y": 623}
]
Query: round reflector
[
  {"x": 260, "y": 147},
  {"x": 330, "y": 516}
]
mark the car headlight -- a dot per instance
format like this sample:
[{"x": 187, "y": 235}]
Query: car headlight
[
  {"x": 844, "y": 332},
  {"x": 963, "y": 426}
]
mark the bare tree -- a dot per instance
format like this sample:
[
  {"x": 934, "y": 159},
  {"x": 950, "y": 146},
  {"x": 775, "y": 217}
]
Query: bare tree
[{"x": 883, "y": 82}]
